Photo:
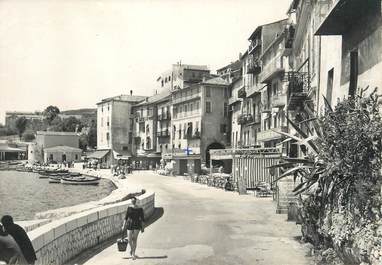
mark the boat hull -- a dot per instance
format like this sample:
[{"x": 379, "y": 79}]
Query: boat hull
[{"x": 77, "y": 181}]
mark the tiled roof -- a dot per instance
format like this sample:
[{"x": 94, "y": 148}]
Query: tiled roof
[
  {"x": 216, "y": 81},
  {"x": 155, "y": 98},
  {"x": 62, "y": 148},
  {"x": 127, "y": 98}
]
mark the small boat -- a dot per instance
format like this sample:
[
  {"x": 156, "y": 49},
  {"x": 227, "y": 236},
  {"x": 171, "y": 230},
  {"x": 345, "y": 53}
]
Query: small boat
[
  {"x": 55, "y": 179},
  {"x": 82, "y": 180}
]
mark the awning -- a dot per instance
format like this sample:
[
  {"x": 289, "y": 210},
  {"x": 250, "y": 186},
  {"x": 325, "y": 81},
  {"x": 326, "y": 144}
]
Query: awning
[
  {"x": 121, "y": 156},
  {"x": 6, "y": 148},
  {"x": 99, "y": 154}
]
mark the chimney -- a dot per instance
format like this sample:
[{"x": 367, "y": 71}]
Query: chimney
[{"x": 131, "y": 92}]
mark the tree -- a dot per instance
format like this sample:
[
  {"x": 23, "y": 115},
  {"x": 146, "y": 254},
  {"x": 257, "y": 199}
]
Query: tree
[
  {"x": 50, "y": 113},
  {"x": 28, "y": 136},
  {"x": 92, "y": 137},
  {"x": 21, "y": 125},
  {"x": 71, "y": 124}
]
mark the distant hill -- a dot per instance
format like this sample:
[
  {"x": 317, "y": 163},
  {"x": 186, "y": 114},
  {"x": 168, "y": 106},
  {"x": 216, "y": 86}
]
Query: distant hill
[{"x": 88, "y": 111}]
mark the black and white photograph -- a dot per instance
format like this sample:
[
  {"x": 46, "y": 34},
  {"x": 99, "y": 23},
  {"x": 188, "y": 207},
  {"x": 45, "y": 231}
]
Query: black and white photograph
[{"x": 179, "y": 132}]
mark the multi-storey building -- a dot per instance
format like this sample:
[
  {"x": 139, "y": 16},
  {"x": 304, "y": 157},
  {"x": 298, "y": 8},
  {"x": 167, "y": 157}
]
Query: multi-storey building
[
  {"x": 199, "y": 123},
  {"x": 275, "y": 75},
  {"x": 180, "y": 76},
  {"x": 115, "y": 128},
  {"x": 250, "y": 118},
  {"x": 233, "y": 74},
  {"x": 359, "y": 24},
  {"x": 150, "y": 122}
]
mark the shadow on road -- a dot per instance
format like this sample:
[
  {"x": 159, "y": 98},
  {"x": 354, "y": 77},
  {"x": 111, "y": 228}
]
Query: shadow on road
[
  {"x": 149, "y": 257},
  {"x": 88, "y": 254}
]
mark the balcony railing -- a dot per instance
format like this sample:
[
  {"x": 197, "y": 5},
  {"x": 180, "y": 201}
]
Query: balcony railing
[
  {"x": 165, "y": 133},
  {"x": 270, "y": 134},
  {"x": 244, "y": 119},
  {"x": 254, "y": 67},
  {"x": 185, "y": 98},
  {"x": 279, "y": 100},
  {"x": 256, "y": 43},
  {"x": 271, "y": 68},
  {"x": 241, "y": 93},
  {"x": 164, "y": 116},
  {"x": 298, "y": 88}
]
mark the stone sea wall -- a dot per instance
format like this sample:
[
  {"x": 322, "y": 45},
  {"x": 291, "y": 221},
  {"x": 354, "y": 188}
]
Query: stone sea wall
[{"x": 62, "y": 240}]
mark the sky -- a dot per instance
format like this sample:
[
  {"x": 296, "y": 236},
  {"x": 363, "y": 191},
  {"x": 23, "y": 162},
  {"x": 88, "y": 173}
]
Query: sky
[{"x": 74, "y": 53}]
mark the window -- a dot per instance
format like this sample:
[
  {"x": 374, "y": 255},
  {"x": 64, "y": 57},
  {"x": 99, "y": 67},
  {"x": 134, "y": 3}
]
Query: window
[
  {"x": 108, "y": 107},
  {"x": 107, "y": 136},
  {"x": 169, "y": 78},
  {"x": 223, "y": 128},
  {"x": 208, "y": 92},
  {"x": 225, "y": 109},
  {"x": 147, "y": 128},
  {"x": 51, "y": 157},
  {"x": 353, "y": 72},
  {"x": 180, "y": 131},
  {"x": 179, "y": 146},
  {"x": 101, "y": 122},
  {"x": 185, "y": 110},
  {"x": 108, "y": 122},
  {"x": 131, "y": 124},
  {"x": 329, "y": 88},
  {"x": 102, "y": 109},
  {"x": 197, "y": 105},
  {"x": 191, "y": 108},
  {"x": 76, "y": 156},
  {"x": 130, "y": 138},
  {"x": 125, "y": 148},
  {"x": 208, "y": 107}
]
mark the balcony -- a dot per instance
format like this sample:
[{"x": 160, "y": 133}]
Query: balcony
[
  {"x": 244, "y": 119},
  {"x": 241, "y": 93},
  {"x": 269, "y": 135},
  {"x": 140, "y": 119},
  {"x": 164, "y": 116},
  {"x": 221, "y": 154},
  {"x": 253, "y": 90},
  {"x": 254, "y": 67},
  {"x": 186, "y": 98},
  {"x": 255, "y": 44},
  {"x": 298, "y": 88},
  {"x": 271, "y": 69},
  {"x": 279, "y": 100},
  {"x": 165, "y": 133}
]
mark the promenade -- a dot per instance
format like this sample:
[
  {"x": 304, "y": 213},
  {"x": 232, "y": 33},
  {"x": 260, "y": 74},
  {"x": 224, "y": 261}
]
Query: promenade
[{"x": 197, "y": 224}]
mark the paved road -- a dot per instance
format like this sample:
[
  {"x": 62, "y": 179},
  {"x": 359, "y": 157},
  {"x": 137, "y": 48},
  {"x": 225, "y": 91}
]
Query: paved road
[{"x": 203, "y": 225}]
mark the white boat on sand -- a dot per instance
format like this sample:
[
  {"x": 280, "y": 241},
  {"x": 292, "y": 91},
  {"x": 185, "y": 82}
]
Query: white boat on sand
[{"x": 82, "y": 180}]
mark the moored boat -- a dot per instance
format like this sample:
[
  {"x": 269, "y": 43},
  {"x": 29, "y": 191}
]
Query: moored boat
[
  {"x": 82, "y": 180},
  {"x": 55, "y": 179}
]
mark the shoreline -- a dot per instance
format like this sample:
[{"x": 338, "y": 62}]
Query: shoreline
[{"x": 119, "y": 194}]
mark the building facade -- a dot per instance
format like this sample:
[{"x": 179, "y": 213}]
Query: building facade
[
  {"x": 115, "y": 123},
  {"x": 199, "y": 123},
  {"x": 152, "y": 130},
  {"x": 180, "y": 76}
]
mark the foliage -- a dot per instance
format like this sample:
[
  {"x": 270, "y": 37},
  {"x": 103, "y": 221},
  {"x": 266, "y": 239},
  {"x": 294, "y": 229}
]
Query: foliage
[
  {"x": 21, "y": 125},
  {"x": 50, "y": 113},
  {"x": 340, "y": 177},
  {"x": 28, "y": 136},
  {"x": 92, "y": 137},
  {"x": 6, "y": 131}
]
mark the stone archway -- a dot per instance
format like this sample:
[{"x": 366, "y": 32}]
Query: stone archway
[{"x": 214, "y": 145}]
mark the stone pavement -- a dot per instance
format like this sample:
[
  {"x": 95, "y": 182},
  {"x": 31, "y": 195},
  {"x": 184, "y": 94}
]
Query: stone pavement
[{"x": 204, "y": 225}]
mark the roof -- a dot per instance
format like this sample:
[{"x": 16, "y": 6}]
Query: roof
[
  {"x": 7, "y": 148},
  {"x": 126, "y": 98},
  {"x": 98, "y": 154},
  {"x": 233, "y": 65},
  {"x": 216, "y": 81},
  {"x": 56, "y": 133},
  {"x": 154, "y": 99},
  {"x": 62, "y": 148},
  {"x": 261, "y": 26},
  {"x": 193, "y": 67}
]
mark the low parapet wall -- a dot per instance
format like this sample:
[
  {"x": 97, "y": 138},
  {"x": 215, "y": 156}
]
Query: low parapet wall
[{"x": 62, "y": 240}]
